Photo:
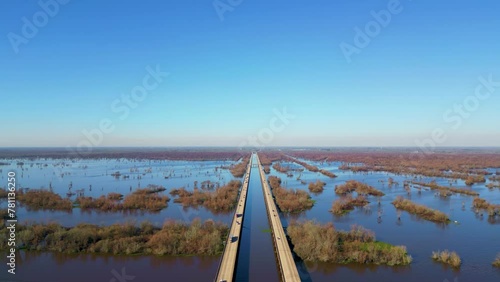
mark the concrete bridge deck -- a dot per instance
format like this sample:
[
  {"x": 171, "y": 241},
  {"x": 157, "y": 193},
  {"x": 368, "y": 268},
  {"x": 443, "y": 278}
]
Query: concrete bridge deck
[
  {"x": 227, "y": 265},
  {"x": 286, "y": 263}
]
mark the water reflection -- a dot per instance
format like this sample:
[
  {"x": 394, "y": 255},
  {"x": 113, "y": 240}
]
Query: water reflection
[{"x": 89, "y": 267}]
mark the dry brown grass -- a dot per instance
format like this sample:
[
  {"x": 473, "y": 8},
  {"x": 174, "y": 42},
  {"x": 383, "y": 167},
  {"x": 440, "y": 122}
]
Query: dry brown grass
[
  {"x": 290, "y": 200},
  {"x": 447, "y": 257},
  {"x": 222, "y": 199},
  {"x": 174, "y": 238},
  {"x": 43, "y": 199},
  {"x": 142, "y": 199},
  {"x": 267, "y": 169},
  {"x": 283, "y": 169},
  {"x": 420, "y": 210},
  {"x": 346, "y": 204},
  {"x": 360, "y": 188},
  {"x": 239, "y": 169},
  {"x": 3, "y": 193},
  {"x": 327, "y": 173},
  {"x": 304, "y": 164},
  {"x": 492, "y": 209},
  {"x": 317, "y": 187},
  {"x": 443, "y": 190},
  {"x": 314, "y": 242},
  {"x": 496, "y": 262}
]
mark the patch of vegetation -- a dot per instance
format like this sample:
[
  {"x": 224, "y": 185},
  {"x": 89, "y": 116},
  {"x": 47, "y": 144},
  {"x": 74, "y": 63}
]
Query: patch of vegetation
[
  {"x": 471, "y": 179},
  {"x": 239, "y": 169},
  {"x": 493, "y": 185},
  {"x": 314, "y": 242},
  {"x": 447, "y": 257},
  {"x": 480, "y": 203},
  {"x": 141, "y": 199},
  {"x": 346, "y": 204},
  {"x": 420, "y": 210},
  {"x": 290, "y": 200},
  {"x": 465, "y": 165},
  {"x": 283, "y": 169},
  {"x": 317, "y": 187},
  {"x": 445, "y": 191},
  {"x": 496, "y": 262},
  {"x": 150, "y": 189},
  {"x": 222, "y": 199},
  {"x": 43, "y": 200},
  {"x": 327, "y": 173},
  {"x": 358, "y": 187},
  {"x": 174, "y": 238},
  {"x": 267, "y": 169}
]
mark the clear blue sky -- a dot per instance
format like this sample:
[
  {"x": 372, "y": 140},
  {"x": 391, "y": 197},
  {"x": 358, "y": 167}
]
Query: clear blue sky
[{"x": 227, "y": 76}]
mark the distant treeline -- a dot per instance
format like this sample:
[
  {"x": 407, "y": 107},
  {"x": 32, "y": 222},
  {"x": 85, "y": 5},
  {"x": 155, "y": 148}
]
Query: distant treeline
[
  {"x": 468, "y": 166},
  {"x": 127, "y": 153}
]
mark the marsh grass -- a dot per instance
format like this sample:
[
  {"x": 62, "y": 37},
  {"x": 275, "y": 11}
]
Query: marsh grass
[
  {"x": 420, "y": 210},
  {"x": 222, "y": 199},
  {"x": 327, "y": 173},
  {"x": 344, "y": 205},
  {"x": 43, "y": 200},
  {"x": 496, "y": 262},
  {"x": 290, "y": 200},
  {"x": 147, "y": 199},
  {"x": 173, "y": 238},
  {"x": 446, "y": 191},
  {"x": 317, "y": 187},
  {"x": 358, "y": 187},
  {"x": 283, "y": 169},
  {"x": 239, "y": 169},
  {"x": 447, "y": 257},
  {"x": 479, "y": 203},
  {"x": 314, "y": 242}
]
